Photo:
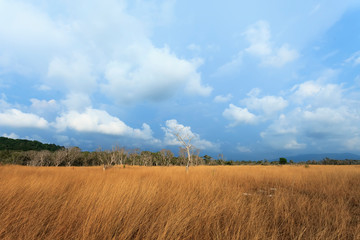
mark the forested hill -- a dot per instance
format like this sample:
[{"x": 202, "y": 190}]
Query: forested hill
[{"x": 26, "y": 145}]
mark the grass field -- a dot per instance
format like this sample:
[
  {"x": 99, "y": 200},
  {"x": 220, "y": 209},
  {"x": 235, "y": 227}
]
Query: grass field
[{"x": 235, "y": 202}]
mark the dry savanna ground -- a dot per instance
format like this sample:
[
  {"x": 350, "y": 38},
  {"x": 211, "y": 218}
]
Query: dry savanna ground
[{"x": 234, "y": 202}]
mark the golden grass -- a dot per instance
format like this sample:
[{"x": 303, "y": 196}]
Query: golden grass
[{"x": 237, "y": 202}]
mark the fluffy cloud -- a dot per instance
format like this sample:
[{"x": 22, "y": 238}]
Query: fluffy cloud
[
  {"x": 323, "y": 118},
  {"x": 21, "y": 43},
  {"x": 11, "y": 135},
  {"x": 99, "y": 121},
  {"x": 267, "y": 104},
  {"x": 42, "y": 107},
  {"x": 75, "y": 73},
  {"x": 238, "y": 115},
  {"x": 317, "y": 93},
  {"x": 16, "y": 118},
  {"x": 266, "y": 108},
  {"x": 104, "y": 49},
  {"x": 155, "y": 74},
  {"x": 320, "y": 127},
  {"x": 172, "y": 127},
  {"x": 259, "y": 36}
]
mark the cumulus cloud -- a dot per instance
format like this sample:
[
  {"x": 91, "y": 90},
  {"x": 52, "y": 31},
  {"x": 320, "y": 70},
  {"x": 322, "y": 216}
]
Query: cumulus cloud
[
  {"x": 267, "y": 104},
  {"x": 259, "y": 37},
  {"x": 16, "y": 118},
  {"x": 318, "y": 127},
  {"x": 238, "y": 115},
  {"x": 270, "y": 54},
  {"x": 76, "y": 101},
  {"x": 105, "y": 49},
  {"x": 323, "y": 118},
  {"x": 99, "y": 121},
  {"x": 317, "y": 93},
  {"x": 75, "y": 72},
  {"x": 156, "y": 74},
  {"x": 21, "y": 42},
  {"x": 172, "y": 127},
  {"x": 11, "y": 135},
  {"x": 42, "y": 106}
]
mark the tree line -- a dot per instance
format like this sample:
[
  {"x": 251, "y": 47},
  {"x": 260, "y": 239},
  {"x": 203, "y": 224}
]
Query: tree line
[
  {"x": 73, "y": 156},
  {"x": 34, "y": 153}
]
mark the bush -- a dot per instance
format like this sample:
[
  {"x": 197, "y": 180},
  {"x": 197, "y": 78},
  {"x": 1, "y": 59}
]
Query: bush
[{"x": 282, "y": 160}]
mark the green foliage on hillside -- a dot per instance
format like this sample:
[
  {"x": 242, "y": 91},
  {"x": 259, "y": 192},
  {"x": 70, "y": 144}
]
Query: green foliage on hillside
[{"x": 26, "y": 145}]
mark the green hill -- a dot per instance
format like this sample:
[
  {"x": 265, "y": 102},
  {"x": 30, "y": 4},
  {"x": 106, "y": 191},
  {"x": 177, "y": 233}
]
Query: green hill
[{"x": 26, "y": 145}]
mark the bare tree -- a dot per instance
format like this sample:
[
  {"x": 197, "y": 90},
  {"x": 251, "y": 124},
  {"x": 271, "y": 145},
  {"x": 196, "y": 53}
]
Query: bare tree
[
  {"x": 122, "y": 155},
  {"x": 146, "y": 158},
  {"x": 196, "y": 158},
  {"x": 44, "y": 157},
  {"x": 72, "y": 153},
  {"x": 33, "y": 158},
  {"x": 107, "y": 158},
  {"x": 166, "y": 156},
  {"x": 185, "y": 138},
  {"x": 59, "y": 157},
  {"x": 134, "y": 156}
]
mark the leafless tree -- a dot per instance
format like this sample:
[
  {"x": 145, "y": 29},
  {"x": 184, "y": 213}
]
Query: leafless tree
[
  {"x": 166, "y": 156},
  {"x": 33, "y": 157},
  {"x": 59, "y": 157},
  {"x": 72, "y": 153},
  {"x": 196, "y": 158},
  {"x": 44, "y": 157},
  {"x": 185, "y": 138},
  {"x": 107, "y": 158},
  {"x": 134, "y": 155}
]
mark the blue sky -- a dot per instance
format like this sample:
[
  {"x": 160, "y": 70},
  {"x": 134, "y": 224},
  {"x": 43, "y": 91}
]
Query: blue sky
[{"x": 248, "y": 80}]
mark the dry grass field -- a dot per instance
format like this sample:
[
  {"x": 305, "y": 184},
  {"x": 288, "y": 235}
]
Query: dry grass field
[{"x": 235, "y": 202}]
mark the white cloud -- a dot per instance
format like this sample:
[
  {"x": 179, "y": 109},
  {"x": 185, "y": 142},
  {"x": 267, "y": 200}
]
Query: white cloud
[
  {"x": 104, "y": 49},
  {"x": 11, "y": 135},
  {"x": 223, "y": 99},
  {"x": 230, "y": 67},
  {"x": 75, "y": 73},
  {"x": 259, "y": 36},
  {"x": 173, "y": 127},
  {"x": 317, "y": 94},
  {"x": 16, "y": 118},
  {"x": 239, "y": 115},
  {"x": 293, "y": 144},
  {"x": 156, "y": 74},
  {"x": 354, "y": 58},
  {"x": 322, "y": 127},
  {"x": 21, "y": 42},
  {"x": 267, "y": 104},
  {"x": 77, "y": 101},
  {"x": 42, "y": 106},
  {"x": 99, "y": 121}
]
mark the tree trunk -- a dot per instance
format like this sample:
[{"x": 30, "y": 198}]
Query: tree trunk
[{"x": 189, "y": 159}]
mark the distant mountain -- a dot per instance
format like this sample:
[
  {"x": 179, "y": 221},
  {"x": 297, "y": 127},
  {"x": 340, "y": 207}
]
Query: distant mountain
[
  {"x": 321, "y": 156},
  {"x": 26, "y": 145}
]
